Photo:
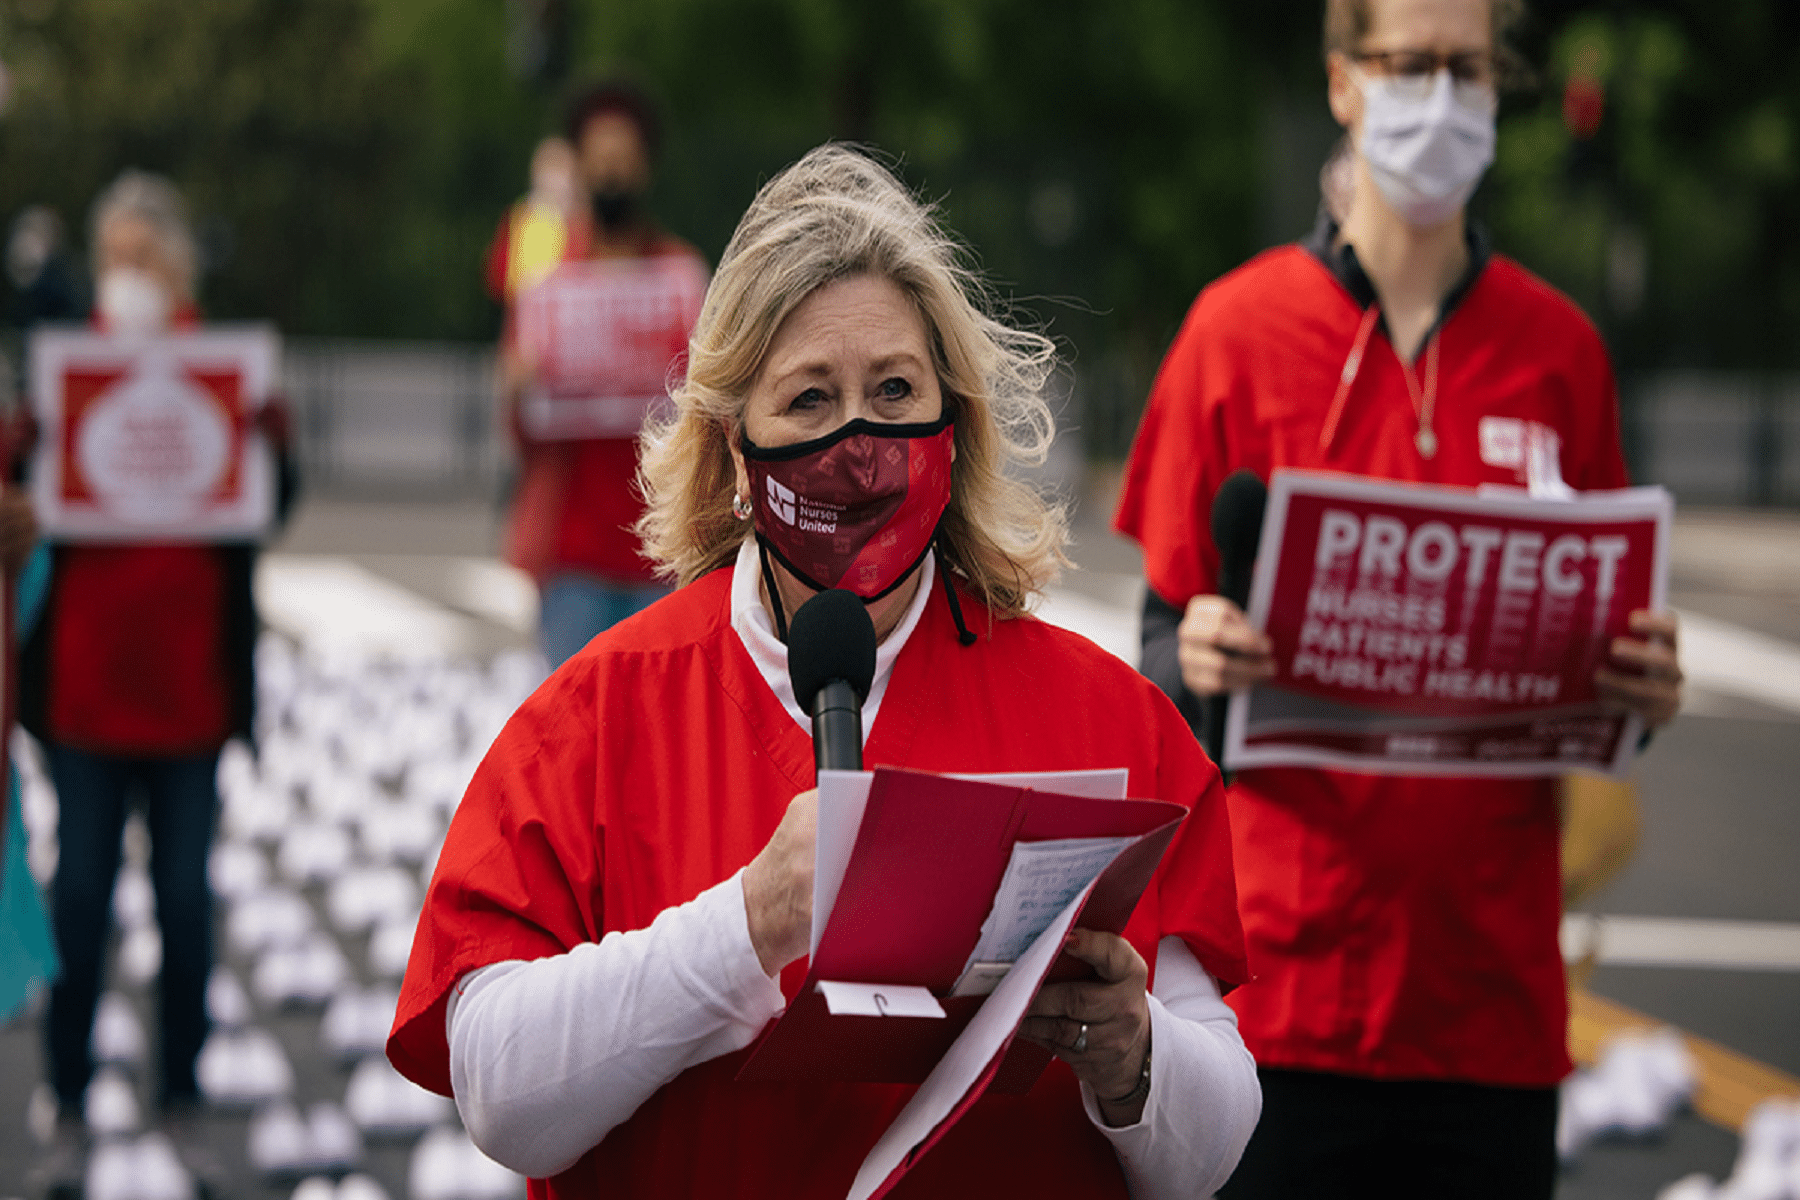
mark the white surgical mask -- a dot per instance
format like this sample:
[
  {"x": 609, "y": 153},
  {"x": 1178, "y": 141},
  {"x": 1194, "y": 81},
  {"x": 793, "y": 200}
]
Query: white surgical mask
[
  {"x": 132, "y": 303},
  {"x": 1426, "y": 151}
]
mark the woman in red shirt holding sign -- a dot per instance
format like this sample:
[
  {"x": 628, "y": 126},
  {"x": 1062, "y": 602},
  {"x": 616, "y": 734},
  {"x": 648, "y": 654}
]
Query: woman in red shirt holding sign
[
  {"x": 1407, "y": 1007},
  {"x": 578, "y": 499},
  {"x": 623, "y": 902},
  {"x": 139, "y": 670}
]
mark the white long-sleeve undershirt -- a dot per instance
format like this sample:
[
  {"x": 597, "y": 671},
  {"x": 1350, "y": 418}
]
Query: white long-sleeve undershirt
[{"x": 547, "y": 1056}]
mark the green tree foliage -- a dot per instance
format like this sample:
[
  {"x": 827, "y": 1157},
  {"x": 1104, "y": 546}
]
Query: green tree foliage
[
  {"x": 1102, "y": 159},
  {"x": 1675, "y": 223},
  {"x": 345, "y": 159},
  {"x": 349, "y": 158}
]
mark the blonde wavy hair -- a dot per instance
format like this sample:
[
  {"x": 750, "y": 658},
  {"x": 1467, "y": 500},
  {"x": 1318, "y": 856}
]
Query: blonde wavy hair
[
  {"x": 834, "y": 214},
  {"x": 156, "y": 201}
]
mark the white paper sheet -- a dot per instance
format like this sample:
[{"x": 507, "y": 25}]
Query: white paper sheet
[{"x": 945, "y": 1087}]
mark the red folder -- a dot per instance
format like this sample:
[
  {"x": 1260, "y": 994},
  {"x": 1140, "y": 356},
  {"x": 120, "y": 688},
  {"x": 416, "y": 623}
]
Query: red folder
[{"x": 928, "y": 860}]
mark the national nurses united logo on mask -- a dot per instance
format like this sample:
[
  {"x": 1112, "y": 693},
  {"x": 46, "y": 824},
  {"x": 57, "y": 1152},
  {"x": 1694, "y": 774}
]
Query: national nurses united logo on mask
[
  {"x": 856, "y": 509},
  {"x": 781, "y": 503}
]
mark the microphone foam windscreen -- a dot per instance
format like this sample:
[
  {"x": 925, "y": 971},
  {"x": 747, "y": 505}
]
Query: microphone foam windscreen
[
  {"x": 831, "y": 637},
  {"x": 1237, "y": 517}
]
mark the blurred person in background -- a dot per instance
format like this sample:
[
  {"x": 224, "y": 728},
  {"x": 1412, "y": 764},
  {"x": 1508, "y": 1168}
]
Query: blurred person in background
[
  {"x": 137, "y": 673},
  {"x": 27, "y": 950},
  {"x": 46, "y": 283},
  {"x": 537, "y": 233},
  {"x": 577, "y": 501},
  {"x": 1407, "y": 1007}
]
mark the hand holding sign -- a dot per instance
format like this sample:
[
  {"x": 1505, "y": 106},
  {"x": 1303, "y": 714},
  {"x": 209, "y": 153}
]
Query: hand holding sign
[
  {"x": 18, "y": 528},
  {"x": 1649, "y": 684},
  {"x": 1220, "y": 651}
]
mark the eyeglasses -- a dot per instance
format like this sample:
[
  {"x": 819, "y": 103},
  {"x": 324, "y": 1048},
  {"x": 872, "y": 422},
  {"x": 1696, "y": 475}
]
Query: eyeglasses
[{"x": 1413, "y": 70}]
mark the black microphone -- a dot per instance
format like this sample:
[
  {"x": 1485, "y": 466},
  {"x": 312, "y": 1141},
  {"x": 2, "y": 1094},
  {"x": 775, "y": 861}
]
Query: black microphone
[
  {"x": 1237, "y": 518},
  {"x": 831, "y": 663}
]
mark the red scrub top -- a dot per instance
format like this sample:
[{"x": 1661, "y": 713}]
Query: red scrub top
[
  {"x": 657, "y": 762},
  {"x": 137, "y": 650},
  {"x": 1397, "y": 928}
]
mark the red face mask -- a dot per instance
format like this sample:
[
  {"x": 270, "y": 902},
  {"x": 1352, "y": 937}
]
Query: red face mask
[{"x": 856, "y": 509}]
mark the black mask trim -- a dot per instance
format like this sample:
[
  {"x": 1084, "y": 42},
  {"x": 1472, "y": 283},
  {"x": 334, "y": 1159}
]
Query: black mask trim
[
  {"x": 847, "y": 430},
  {"x": 766, "y": 550},
  {"x": 956, "y": 613},
  {"x": 614, "y": 209},
  {"x": 768, "y": 577}
]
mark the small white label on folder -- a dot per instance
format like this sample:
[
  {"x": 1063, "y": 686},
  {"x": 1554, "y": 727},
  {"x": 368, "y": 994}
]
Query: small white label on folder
[{"x": 879, "y": 1000}]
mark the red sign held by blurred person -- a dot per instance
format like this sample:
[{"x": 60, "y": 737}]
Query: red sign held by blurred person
[{"x": 602, "y": 336}]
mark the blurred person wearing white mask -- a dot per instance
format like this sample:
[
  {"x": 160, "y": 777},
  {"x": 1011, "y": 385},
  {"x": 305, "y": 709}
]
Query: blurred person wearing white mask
[
  {"x": 145, "y": 258},
  {"x": 136, "y": 674},
  {"x": 1407, "y": 1007}
]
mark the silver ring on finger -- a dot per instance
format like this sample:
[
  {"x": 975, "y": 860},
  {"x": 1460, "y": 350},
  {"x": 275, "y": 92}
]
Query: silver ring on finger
[{"x": 1079, "y": 1045}]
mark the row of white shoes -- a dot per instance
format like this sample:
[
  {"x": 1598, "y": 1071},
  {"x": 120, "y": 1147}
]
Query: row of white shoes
[
  {"x": 313, "y": 1150},
  {"x": 386, "y": 1104},
  {"x": 357, "y": 1021},
  {"x": 134, "y": 910},
  {"x": 1768, "y": 1162},
  {"x": 278, "y": 927},
  {"x": 244, "y": 1067},
  {"x": 350, "y": 1187},
  {"x": 447, "y": 1166},
  {"x": 286, "y": 1145},
  {"x": 310, "y": 972},
  {"x": 1641, "y": 1080},
  {"x": 139, "y": 1168}
]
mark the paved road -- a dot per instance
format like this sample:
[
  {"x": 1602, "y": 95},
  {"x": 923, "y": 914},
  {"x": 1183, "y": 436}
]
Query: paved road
[{"x": 1722, "y": 805}]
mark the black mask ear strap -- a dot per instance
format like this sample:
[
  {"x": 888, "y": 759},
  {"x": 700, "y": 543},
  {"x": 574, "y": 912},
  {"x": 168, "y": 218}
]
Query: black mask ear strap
[
  {"x": 768, "y": 575},
  {"x": 956, "y": 613}
]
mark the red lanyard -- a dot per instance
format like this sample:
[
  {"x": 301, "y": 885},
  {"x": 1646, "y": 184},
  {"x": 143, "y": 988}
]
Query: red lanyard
[{"x": 1424, "y": 399}]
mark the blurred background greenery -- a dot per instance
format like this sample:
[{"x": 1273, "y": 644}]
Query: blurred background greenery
[{"x": 348, "y": 159}]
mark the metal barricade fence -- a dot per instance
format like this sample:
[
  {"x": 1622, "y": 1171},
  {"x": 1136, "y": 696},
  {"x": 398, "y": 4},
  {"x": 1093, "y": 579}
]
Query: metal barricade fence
[
  {"x": 399, "y": 418},
  {"x": 418, "y": 419}
]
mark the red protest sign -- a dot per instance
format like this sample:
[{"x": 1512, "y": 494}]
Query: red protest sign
[
  {"x": 1435, "y": 630},
  {"x": 152, "y": 438},
  {"x": 602, "y": 336}
]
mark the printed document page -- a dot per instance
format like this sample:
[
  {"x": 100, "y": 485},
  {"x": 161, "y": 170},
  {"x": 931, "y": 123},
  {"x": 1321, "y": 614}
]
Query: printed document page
[
  {"x": 844, "y": 794},
  {"x": 1040, "y": 878}
]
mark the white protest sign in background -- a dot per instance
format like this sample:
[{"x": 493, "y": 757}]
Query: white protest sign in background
[{"x": 152, "y": 439}]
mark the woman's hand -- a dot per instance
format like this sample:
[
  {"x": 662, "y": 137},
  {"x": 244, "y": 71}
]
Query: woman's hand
[
  {"x": 1650, "y": 682},
  {"x": 1114, "y": 1011},
  {"x": 18, "y": 528},
  {"x": 517, "y": 372},
  {"x": 778, "y": 886},
  {"x": 1218, "y": 650}
]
